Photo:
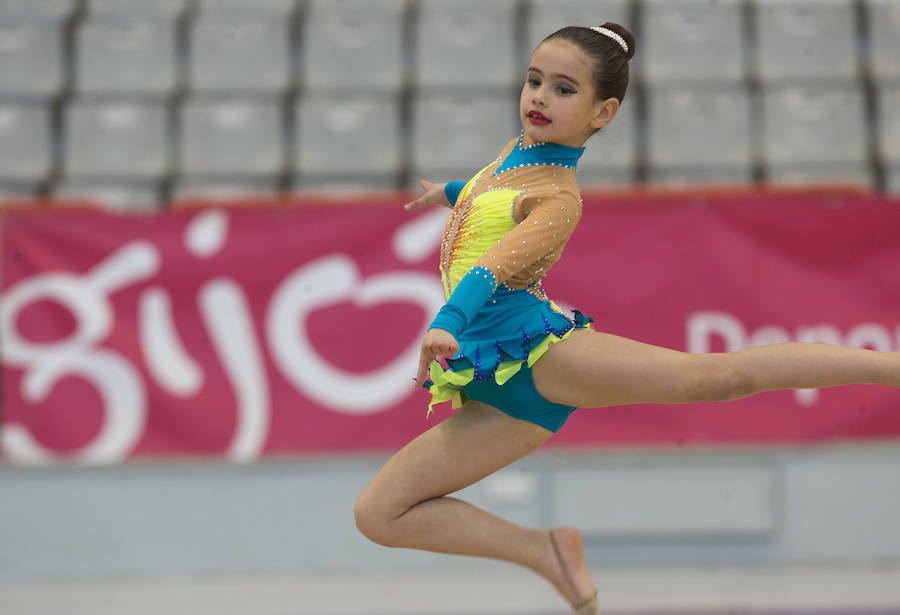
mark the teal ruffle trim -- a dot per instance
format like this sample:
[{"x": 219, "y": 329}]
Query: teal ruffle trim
[
  {"x": 499, "y": 359},
  {"x": 484, "y": 356}
]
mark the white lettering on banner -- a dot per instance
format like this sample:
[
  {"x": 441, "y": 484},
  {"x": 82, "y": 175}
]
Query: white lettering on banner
[
  {"x": 332, "y": 280},
  {"x": 870, "y": 335},
  {"x": 415, "y": 240},
  {"x": 702, "y": 327},
  {"x": 124, "y": 401},
  {"x": 820, "y": 334},
  {"x": 230, "y": 324},
  {"x": 206, "y": 233},
  {"x": 117, "y": 380},
  {"x": 165, "y": 356},
  {"x": 226, "y": 313}
]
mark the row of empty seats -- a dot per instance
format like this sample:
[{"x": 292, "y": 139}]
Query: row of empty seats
[
  {"x": 133, "y": 101},
  {"x": 154, "y": 48},
  {"x": 722, "y": 127}
]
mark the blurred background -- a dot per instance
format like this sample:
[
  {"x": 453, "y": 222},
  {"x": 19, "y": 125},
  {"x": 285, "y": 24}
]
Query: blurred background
[{"x": 137, "y": 104}]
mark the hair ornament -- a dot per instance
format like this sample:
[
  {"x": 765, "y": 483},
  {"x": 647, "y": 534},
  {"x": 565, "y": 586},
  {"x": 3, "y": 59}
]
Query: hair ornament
[{"x": 613, "y": 35}]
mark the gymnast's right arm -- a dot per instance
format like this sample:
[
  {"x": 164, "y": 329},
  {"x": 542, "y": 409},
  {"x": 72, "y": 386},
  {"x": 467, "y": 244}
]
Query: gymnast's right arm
[
  {"x": 437, "y": 342},
  {"x": 436, "y": 194}
]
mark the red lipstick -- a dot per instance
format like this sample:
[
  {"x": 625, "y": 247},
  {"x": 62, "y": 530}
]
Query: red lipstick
[{"x": 537, "y": 118}]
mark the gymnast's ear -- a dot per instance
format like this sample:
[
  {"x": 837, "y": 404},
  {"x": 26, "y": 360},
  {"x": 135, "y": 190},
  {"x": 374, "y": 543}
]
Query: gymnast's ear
[{"x": 604, "y": 112}]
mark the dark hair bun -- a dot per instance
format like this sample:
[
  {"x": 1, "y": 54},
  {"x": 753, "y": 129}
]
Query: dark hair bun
[
  {"x": 625, "y": 34},
  {"x": 609, "y": 57}
]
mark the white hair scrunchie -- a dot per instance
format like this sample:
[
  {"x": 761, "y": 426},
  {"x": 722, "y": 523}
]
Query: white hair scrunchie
[{"x": 613, "y": 35}]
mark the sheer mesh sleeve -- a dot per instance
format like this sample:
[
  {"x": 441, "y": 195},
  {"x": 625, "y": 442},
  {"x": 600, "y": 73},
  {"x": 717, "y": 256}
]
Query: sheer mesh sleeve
[{"x": 536, "y": 242}]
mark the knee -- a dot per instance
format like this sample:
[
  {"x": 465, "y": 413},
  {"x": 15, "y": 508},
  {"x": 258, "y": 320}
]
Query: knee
[
  {"x": 719, "y": 379},
  {"x": 370, "y": 519}
]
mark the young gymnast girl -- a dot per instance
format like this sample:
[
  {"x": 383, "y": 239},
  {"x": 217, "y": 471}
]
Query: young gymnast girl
[{"x": 517, "y": 365}]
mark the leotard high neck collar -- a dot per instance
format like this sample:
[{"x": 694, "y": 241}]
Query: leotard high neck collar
[{"x": 536, "y": 154}]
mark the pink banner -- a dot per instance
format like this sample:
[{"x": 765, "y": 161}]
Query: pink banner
[{"x": 268, "y": 330}]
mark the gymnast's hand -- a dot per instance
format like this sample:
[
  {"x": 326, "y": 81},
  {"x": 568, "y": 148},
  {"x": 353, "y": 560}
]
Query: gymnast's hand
[
  {"x": 434, "y": 195},
  {"x": 437, "y": 343}
]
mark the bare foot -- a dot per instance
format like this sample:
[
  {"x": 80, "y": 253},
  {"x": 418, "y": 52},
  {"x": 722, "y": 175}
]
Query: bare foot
[{"x": 567, "y": 570}]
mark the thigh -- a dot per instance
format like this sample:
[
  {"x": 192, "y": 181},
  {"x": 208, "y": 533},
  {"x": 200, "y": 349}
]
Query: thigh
[
  {"x": 592, "y": 370},
  {"x": 473, "y": 443}
]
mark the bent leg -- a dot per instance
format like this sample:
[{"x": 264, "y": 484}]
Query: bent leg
[
  {"x": 591, "y": 370},
  {"x": 402, "y": 505},
  {"x": 405, "y": 505}
]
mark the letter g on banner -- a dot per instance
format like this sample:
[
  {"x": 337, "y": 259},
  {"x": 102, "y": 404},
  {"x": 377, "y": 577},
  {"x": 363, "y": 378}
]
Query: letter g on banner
[
  {"x": 329, "y": 281},
  {"x": 45, "y": 364}
]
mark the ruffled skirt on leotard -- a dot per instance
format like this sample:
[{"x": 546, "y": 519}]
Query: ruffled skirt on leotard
[{"x": 514, "y": 328}]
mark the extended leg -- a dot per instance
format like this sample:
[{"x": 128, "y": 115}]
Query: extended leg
[
  {"x": 405, "y": 503},
  {"x": 593, "y": 369}
]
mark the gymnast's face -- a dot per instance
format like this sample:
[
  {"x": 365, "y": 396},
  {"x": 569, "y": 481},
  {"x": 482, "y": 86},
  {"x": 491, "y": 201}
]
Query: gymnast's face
[{"x": 558, "y": 104}]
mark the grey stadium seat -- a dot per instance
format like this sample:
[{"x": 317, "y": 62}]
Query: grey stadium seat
[
  {"x": 54, "y": 10},
  {"x": 692, "y": 40},
  {"x": 610, "y": 154},
  {"x": 461, "y": 133},
  {"x": 157, "y": 9},
  {"x": 222, "y": 190},
  {"x": 806, "y": 39},
  {"x": 893, "y": 180},
  {"x": 116, "y": 139},
  {"x": 25, "y": 142},
  {"x": 884, "y": 37},
  {"x": 465, "y": 43},
  {"x": 231, "y": 137},
  {"x": 347, "y": 135},
  {"x": 798, "y": 174},
  {"x": 17, "y": 192},
  {"x": 116, "y": 196},
  {"x": 813, "y": 124},
  {"x": 344, "y": 186},
  {"x": 353, "y": 44},
  {"x": 31, "y": 62},
  {"x": 681, "y": 176},
  {"x": 123, "y": 55},
  {"x": 589, "y": 180},
  {"x": 699, "y": 127},
  {"x": 277, "y": 9},
  {"x": 888, "y": 131},
  {"x": 239, "y": 52},
  {"x": 544, "y": 18}
]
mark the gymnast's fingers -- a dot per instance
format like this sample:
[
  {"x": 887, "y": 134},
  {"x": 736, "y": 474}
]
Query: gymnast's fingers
[
  {"x": 417, "y": 204},
  {"x": 423, "y": 369}
]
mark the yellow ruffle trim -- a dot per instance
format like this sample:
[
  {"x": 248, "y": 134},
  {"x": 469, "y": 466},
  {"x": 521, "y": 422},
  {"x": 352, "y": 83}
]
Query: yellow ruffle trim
[{"x": 448, "y": 384}]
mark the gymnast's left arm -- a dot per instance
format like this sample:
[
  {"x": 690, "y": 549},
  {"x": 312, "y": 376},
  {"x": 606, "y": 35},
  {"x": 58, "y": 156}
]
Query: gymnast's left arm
[
  {"x": 543, "y": 232},
  {"x": 540, "y": 235},
  {"x": 547, "y": 224}
]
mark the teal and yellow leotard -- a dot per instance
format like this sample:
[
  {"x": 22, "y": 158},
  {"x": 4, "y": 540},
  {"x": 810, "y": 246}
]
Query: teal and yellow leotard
[{"x": 509, "y": 224}]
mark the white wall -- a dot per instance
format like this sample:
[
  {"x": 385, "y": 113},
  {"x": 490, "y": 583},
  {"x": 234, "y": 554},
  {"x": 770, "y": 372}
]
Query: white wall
[{"x": 836, "y": 503}]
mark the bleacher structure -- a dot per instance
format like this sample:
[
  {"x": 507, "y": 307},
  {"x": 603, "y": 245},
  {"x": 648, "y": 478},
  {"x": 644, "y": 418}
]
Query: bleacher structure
[{"x": 138, "y": 102}]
